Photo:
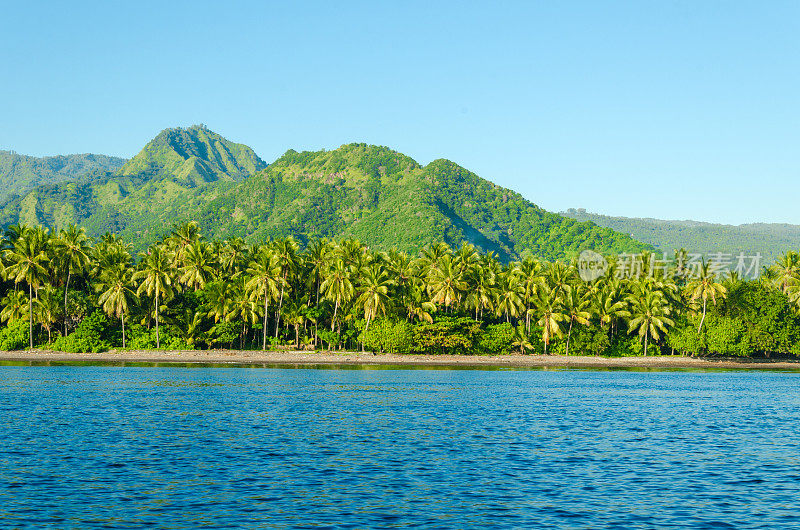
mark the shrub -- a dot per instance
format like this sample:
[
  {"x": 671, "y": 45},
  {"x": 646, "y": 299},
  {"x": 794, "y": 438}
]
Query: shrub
[
  {"x": 14, "y": 336},
  {"x": 449, "y": 335},
  {"x": 496, "y": 339},
  {"x": 88, "y": 337},
  {"x": 385, "y": 335}
]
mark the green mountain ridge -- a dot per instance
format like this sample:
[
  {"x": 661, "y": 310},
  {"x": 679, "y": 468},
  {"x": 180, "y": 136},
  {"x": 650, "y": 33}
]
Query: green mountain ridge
[
  {"x": 374, "y": 194},
  {"x": 20, "y": 173},
  {"x": 769, "y": 239}
]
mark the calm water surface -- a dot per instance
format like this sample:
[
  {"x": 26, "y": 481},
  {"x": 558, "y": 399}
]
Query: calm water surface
[{"x": 177, "y": 447}]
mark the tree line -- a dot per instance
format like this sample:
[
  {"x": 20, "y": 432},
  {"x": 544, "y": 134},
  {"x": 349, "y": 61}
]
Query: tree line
[{"x": 63, "y": 290}]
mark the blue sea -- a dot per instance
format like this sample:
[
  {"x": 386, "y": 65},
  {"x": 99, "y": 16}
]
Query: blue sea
[{"x": 104, "y": 446}]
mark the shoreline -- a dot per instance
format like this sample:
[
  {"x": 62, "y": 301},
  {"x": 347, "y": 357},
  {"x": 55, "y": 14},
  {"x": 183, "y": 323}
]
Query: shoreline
[{"x": 301, "y": 358}]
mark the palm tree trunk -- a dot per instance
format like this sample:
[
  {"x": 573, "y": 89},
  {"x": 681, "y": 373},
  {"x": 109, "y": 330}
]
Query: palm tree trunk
[
  {"x": 266, "y": 309},
  {"x": 335, "y": 309},
  {"x": 30, "y": 315},
  {"x": 158, "y": 339},
  {"x": 123, "y": 329},
  {"x": 704, "y": 316},
  {"x": 278, "y": 312},
  {"x": 66, "y": 288},
  {"x": 569, "y": 332},
  {"x": 645, "y": 341}
]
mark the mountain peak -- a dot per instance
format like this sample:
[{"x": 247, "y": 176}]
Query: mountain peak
[{"x": 179, "y": 152}]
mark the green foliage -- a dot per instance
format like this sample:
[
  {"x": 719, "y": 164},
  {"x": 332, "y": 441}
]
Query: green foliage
[
  {"x": 770, "y": 240},
  {"x": 14, "y": 336},
  {"x": 448, "y": 335},
  {"x": 20, "y": 173},
  {"x": 496, "y": 339},
  {"x": 685, "y": 339},
  {"x": 89, "y": 336},
  {"x": 385, "y": 335}
]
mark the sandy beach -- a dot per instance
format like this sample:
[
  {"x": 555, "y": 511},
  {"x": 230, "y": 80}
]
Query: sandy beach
[{"x": 300, "y": 358}]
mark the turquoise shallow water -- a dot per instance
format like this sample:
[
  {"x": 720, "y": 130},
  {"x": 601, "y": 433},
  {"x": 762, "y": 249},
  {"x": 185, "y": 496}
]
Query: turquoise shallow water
[{"x": 178, "y": 447}]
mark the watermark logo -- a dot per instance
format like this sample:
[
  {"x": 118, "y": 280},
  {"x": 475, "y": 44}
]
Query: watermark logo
[{"x": 591, "y": 265}]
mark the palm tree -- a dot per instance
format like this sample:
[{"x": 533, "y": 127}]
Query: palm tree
[
  {"x": 703, "y": 287},
  {"x": 509, "y": 294},
  {"x": 232, "y": 256},
  {"x": 446, "y": 284},
  {"x": 197, "y": 266},
  {"x": 45, "y": 308},
  {"x": 374, "y": 297},
  {"x": 244, "y": 307},
  {"x": 317, "y": 256},
  {"x": 156, "y": 277},
  {"x": 15, "y": 307},
  {"x": 265, "y": 277},
  {"x": 608, "y": 305},
  {"x": 550, "y": 311},
  {"x": 28, "y": 260},
  {"x": 337, "y": 286},
  {"x": 530, "y": 274},
  {"x": 575, "y": 305},
  {"x": 218, "y": 300},
  {"x": 481, "y": 289},
  {"x": 786, "y": 272},
  {"x": 116, "y": 293},
  {"x": 286, "y": 253},
  {"x": 73, "y": 250},
  {"x": 521, "y": 339},
  {"x": 649, "y": 315}
]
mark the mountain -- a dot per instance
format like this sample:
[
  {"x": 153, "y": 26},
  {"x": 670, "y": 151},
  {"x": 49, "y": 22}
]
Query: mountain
[
  {"x": 374, "y": 194},
  {"x": 193, "y": 156},
  {"x": 384, "y": 199},
  {"x": 175, "y": 161},
  {"x": 20, "y": 173},
  {"x": 771, "y": 240}
]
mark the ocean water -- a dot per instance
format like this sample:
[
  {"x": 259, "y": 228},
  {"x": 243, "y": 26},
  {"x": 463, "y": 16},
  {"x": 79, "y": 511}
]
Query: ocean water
[{"x": 274, "y": 448}]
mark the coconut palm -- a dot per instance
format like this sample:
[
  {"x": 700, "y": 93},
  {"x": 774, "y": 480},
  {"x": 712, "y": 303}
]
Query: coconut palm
[
  {"x": 115, "y": 286},
  {"x": 265, "y": 277},
  {"x": 521, "y": 339},
  {"x": 155, "y": 273},
  {"x": 549, "y": 309},
  {"x": 73, "y": 251},
  {"x": 703, "y": 287},
  {"x": 218, "y": 300},
  {"x": 509, "y": 294},
  {"x": 197, "y": 266},
  {"x": 530, "y": 275},
  {"x": 15, "y": 307},
  {"x": 45, "y": 309},
  {"x": 446, "y": 284},
  {"x": 374, "y": 296},
  {"x": 286, "y": 254},
  {"x": 575, "y": 307},
  {"x": 337, "y": 287},
  {"x": 28, "y": 263},
  {"x": 649, "y": 315}
]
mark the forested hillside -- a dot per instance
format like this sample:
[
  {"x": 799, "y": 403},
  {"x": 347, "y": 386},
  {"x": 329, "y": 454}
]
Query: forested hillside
[
  {"x": 771, "y": 240},
  {"x": 374, "y": 194},
  {"x": 384, "y": 199},
  {"x": 20, "y": 173}
]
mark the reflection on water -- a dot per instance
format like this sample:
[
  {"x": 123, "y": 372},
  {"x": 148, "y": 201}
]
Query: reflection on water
[{"x": 142, "y": 447}]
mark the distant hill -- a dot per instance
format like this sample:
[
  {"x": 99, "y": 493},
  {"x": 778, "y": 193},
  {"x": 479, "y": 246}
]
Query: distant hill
[
  {"x": 771, "y": 240},
  {"x": 20, "y": 173},
  {"x": 374, "y": 194}
]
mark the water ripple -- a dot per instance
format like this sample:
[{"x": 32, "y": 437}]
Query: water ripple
[{"x": 225, "y": 448}]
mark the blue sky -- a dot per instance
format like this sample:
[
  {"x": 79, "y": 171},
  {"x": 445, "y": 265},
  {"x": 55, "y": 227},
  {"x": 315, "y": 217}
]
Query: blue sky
[{"x": 685, "y": 110}]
